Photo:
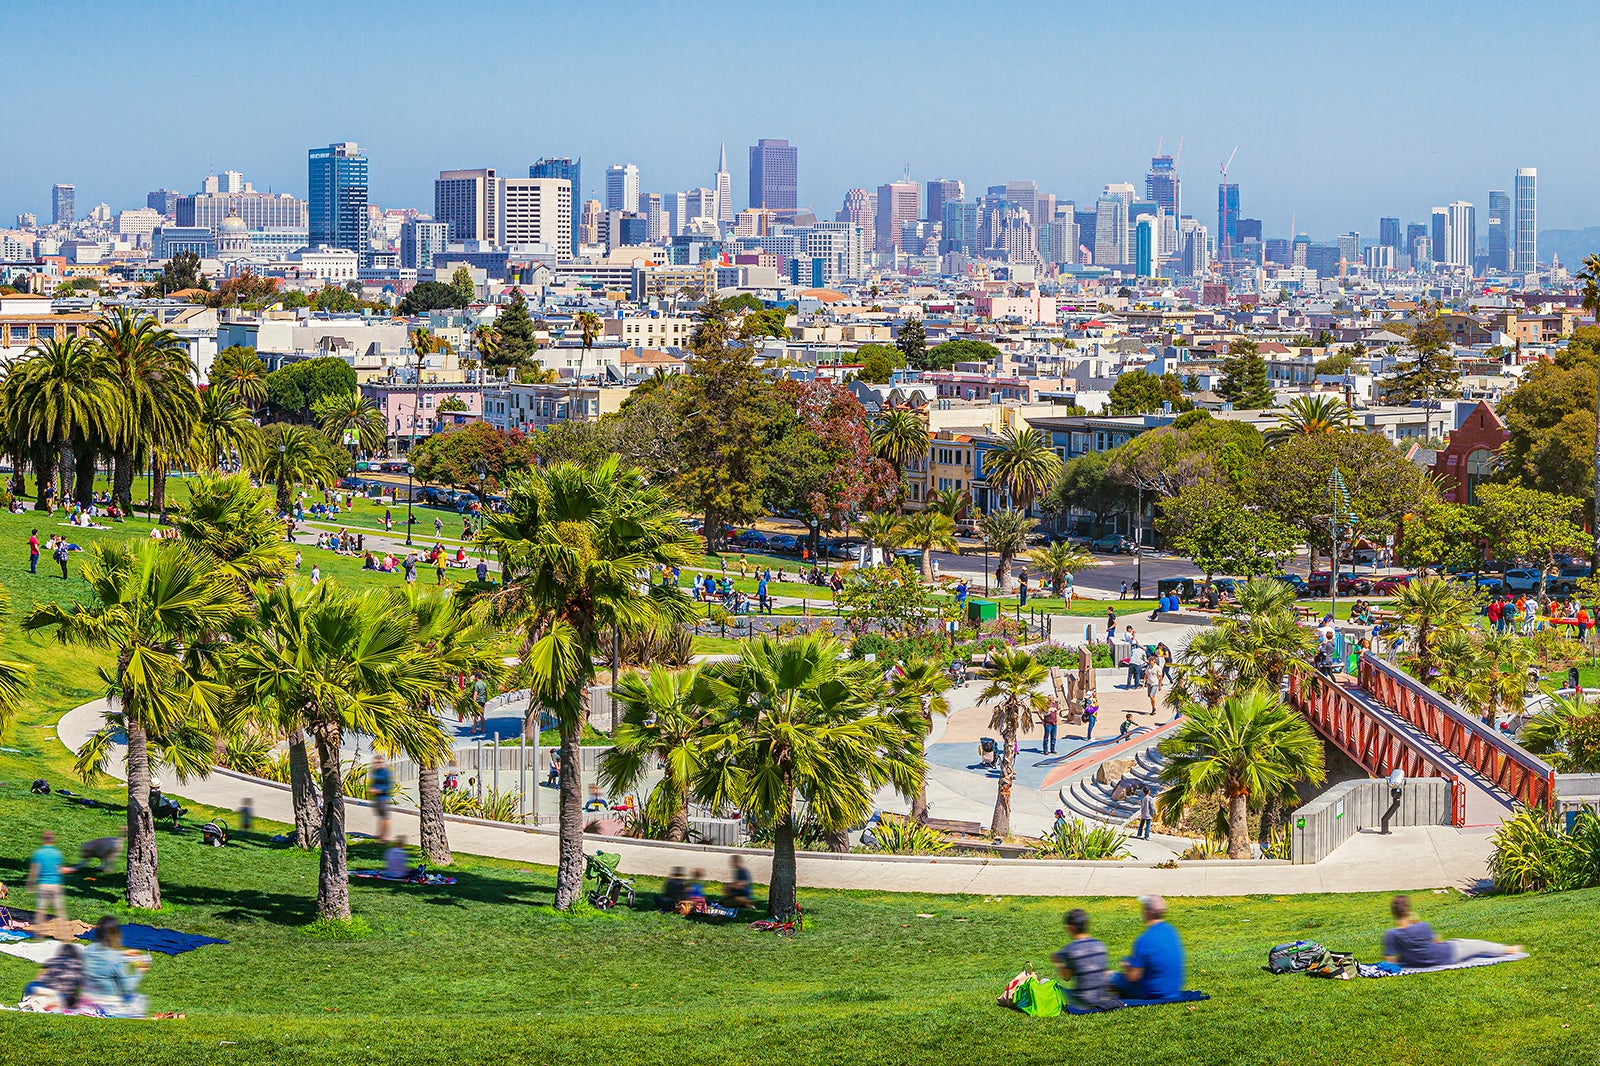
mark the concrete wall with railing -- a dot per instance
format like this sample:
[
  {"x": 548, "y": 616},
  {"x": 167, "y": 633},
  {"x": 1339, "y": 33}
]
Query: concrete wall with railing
[{"x": 1351, "y": 806}]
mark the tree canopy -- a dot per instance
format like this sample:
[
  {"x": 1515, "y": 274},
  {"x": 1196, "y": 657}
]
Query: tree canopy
[
  {"x": 452, "y": 457},
  {"x": 1139, "y": 393},
  {"x": 294, "y": 388},
  {"x": 948, "y": 354},
  {"x": 1245, "y": 381},
  {"x": 1551, "y": 420},
  {"x": 428, "y": 296}
]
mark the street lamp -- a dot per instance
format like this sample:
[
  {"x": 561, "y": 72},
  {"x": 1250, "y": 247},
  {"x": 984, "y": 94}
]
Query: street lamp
[
  {"x": 1138, "y": 541},
  {"x": 409, "y": 518},
  {"x": 483, "y": 472}
]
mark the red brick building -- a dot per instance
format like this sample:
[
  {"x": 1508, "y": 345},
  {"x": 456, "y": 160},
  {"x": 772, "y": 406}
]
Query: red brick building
[{"x": 1471, "y": 455}]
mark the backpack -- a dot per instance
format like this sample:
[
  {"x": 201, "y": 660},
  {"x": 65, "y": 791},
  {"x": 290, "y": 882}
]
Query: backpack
[
  {"x": 1339, "y": 964},
  {"x": 1033, "y": 995},
  {"x": 1294, "y": 957},
  {"x": 60, "y": 553}
]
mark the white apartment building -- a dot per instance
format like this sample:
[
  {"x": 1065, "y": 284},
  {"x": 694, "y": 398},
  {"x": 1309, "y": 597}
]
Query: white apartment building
[
  {"x": 536, "y": 212},
  {"x": 529, "y": 407}
]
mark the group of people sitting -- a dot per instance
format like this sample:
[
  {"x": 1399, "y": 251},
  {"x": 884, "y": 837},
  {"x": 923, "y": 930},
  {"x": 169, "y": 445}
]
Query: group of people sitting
[
  {"x": 681, "y": 895},
  {"x": 100, "y": 978},
  {"x": 342, "y": 543}
]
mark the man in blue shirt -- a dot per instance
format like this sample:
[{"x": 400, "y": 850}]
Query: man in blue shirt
[
  {"x": 762, "y": 600},
  {"x": 1155, "y": 969}
]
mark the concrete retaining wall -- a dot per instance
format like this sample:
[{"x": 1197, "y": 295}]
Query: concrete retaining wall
[
  {"x": 1347, "y": 808},
  {"x": 1573, "y": 791}
]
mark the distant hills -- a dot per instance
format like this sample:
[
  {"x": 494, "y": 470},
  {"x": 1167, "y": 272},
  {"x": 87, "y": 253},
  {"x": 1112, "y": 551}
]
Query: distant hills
[{"x": 1570, "y": 244}]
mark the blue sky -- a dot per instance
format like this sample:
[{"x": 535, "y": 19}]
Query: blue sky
[{"x": 1341, "y": 112}]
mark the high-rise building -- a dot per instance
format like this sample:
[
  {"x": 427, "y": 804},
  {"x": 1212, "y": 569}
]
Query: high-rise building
[
  {"x": 1146, "y": 252},
  {"x": 592, "y": 219},
  {"x": 1501, "y": 236},
  {"x": 1227, "y": 219},
  {"x": 1025, "y": 194},
  {"x": 775, "y": 176},
  {"x": 1422, "y": 252},
  {"x": 336, "y": 210},
  {"x": 1349, "y": 245},
  {"x": 937, "y": 193},
  {"x": 468, "y": 201},
  {"x": 163, "y": 200},
  {"x": 257, "y": 210},
  {"x": 571, "y": 171},
  {"x": 1439, "y": 234},
  {"x": 622, "y": 187},
  {"x": 420, "y": 241},
  {"x": 1414, "y": 232},
  {"x": 63, "y": 205},
  {"x": 860, "y": 208},
  {"x": 724, "y": 188},
  {"x": 1526, "y": 255},
  {"x": 897, "y": 205},
  {"x": 1161, "y": 184},
  {"x": 1463, "y": 234},
  {"x": 1111, "y": 231},
  {"x": 700, "y": 205},
  {"x": 1389, "y": 233},
  {"x": 1196, "y": 253},
  {"x": 536, "y": 211}
]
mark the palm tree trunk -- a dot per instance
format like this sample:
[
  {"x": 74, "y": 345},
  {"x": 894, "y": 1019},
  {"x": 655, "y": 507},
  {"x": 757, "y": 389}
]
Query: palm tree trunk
[
  {"x": 678, "y": 824},
  {"x": 838, "y": 840},
  {"x": 144, "y": 886},
  {"x": 44, "y": 470},
  {"x": 1001, "y": 823},
  {"x": 927, "y": 563},
  {"x": 781, "y": 899},
  {"x": 430, "y": 814},
  {"x": 122, "y": 478},
  {"x": 569, "y": 871},
  {"x": 83, "y": 457},
  {"x": 1239, "y": 826},
  {"x": 919, "y": 804},
  {"x": 158, "y": 490},
  {"x": 333, "y": 875},
  {"x": 303, "y": 792},
  {"x": 284, "y": 502},
  {"x": 1002, "y": 573}
]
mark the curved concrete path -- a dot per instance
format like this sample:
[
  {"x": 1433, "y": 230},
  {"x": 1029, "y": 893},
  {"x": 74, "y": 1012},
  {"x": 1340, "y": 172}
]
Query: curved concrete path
[{"x": 1410, "y": 859}]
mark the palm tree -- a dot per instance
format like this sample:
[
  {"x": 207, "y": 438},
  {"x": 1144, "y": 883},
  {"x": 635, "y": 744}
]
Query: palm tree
[
  {"x": 230, "y": 523},
  {"x": 241, "y": 371},
  {"x": 350, "y": 414},
  {"x": 322, "y": 661},
  {"x": 1254, "y": 646},
  {"x": 151, "y": 604},
  {"x": 806, "y": 731},
  {"x": 880, "y": 530},
  {"x": 223, "y": 427},
  {"x": 900, "y": 438},
  {"x": 919, "y": 685},
  {"x": 1023, "y": 465},
  {"x": 665, "y": 714},
  {"x": 1567, "y": 732},
  {"x": 1431, "y": 608},
  {"x": 956, "y": 503},
  {"x": 929, "y": 531},
  {"x": 589, "y": 327},
  {"x": 1014, "y": 690},
  {"x": 1251, "y": 746},
  {"x": 60, "y": 395},
  {"x": 1312, "y": 415},
  {"x": 150, "y": 368},
  {"x": 291, "y": 455},
  {"x": 1006, "y": 534},
  {"x": 571, "y": 544},
  {"x": 1058, "y": 562}
]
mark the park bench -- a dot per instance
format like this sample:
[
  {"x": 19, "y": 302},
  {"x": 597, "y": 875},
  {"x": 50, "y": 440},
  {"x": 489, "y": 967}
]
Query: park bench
[
  {"x": 954, "y": 827},
  {"x": 1385, "y": 617}
]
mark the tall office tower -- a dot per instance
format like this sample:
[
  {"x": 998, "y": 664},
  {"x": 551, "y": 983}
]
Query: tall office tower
[
  {"x": 897, "y": 205},
  {"x": 1463, "y": 234},
  {"x": 1227, "y": 220},
  {"x": 570, "y": 170},
  {"x": 1196, "y": 253},
  {"x": 468, "y": 201},
  {"x": 1439, "y": 234},
  {"x": 1389, "y": 233},
  {"x": 1025, "y": 194},
  {"x": 420, "y": 241},
  {"x": 939, "y": 192},
  {"x": 231, "y": 181},
  {"x": 1414, "y": 231},
  {"x": 775, "y": 176},
  {"x": 593, "y": 217},
  {"x": 860, "y": 208},
  {"x": 1501, "y": 232},
  {"x": 1146, "y": 252},
  {"x": 1111, "y": 231},
  {"x": 958, "y": 229},
  {"x": 63, "y": 205},
  {"x": 622, "y": 187},
  {"x": 1526, "y": 254},
  {"x": 1161, "y": 184},
  {"x": 536, "y": 211},
  {"x": 701, "y": 206},
  {"x": 655, "y": 215},
  {"x": 1349, "y": 245},
  {"x": 1012, "y": 235},
  {"x": 163, "y": 200},
  {"x": 724, "y": 187},
  {"x": 336, "y": 210},
  {"x": 1422, "y": 252},
  {"x": 674, "y": 205},
  {"x": 1299, "y": 250}
]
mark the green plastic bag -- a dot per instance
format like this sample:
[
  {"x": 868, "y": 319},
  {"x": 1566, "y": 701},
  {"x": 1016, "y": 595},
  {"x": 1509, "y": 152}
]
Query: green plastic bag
[{"x": 1038, "y": 998}]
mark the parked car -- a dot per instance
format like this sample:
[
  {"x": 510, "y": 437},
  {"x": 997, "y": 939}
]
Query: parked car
[
  {"x": 1113, "y": 543},
  {"x": 1350, "y": 584},
  {"x": 1522, "y": 579},
  {"x": 1184, "y": 587},
  {"x": 1294, "y": 581},
  {"x": 783, "y": 542},
  {"x": 1487, "y": 582},
  {"x": 1392, "y": 584},
  {"x": 1567, "y": 580}
]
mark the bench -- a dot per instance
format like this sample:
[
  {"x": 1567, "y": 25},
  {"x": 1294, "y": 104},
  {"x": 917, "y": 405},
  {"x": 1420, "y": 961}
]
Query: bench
[
  {"x": 956, "y": 828},
  {"x": 1385, "y": 617}
]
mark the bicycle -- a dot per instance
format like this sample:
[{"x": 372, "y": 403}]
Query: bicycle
[{"x": 784, "y": 929}]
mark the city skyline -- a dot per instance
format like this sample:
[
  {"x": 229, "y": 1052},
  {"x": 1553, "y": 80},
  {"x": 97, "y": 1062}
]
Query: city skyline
[{"x": 1334, "y": 161}]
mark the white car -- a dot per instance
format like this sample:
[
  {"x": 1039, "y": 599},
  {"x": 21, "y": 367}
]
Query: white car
[{"x": 1523, "y": 580}]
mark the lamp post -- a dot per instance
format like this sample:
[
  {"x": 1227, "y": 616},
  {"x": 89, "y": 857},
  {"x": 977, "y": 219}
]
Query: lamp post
[
  {"x": 483, "y": 472},
  {"x": 283, "y": 450},
  {"x": 1138, "y": 541},
  {"x": 409, "y": 518}
]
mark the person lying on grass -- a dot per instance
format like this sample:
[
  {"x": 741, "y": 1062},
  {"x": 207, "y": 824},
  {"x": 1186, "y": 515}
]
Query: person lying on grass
[
  {"x": 1084, "y": 963},
  {"x": 1412, "y": 943}
]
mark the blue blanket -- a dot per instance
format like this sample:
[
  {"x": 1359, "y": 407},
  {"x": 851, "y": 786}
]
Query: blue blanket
[
  {"x": 1188, "y": 996},
  {"x": 165, "y": 941}
]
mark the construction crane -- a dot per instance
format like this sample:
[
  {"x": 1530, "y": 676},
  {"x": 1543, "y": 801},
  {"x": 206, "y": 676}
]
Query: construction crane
[{"x": 1227, "y": 245}]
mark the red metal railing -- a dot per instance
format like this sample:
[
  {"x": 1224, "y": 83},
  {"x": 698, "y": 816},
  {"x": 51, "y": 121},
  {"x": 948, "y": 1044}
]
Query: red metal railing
[
  {"x": 1524, "y": 777},
  {"x": 1367, "y": 738}
]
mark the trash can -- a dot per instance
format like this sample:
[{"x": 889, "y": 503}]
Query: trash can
[{"x": 980, "y": 611}]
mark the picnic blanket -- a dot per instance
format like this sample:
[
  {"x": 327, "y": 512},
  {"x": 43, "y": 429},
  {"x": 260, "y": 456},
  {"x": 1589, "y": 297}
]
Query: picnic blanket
[
  {"x": 1186, "y": 996},
  {"x": 424, "y": 878},
  {"x": 165, "y": 941},
  {"x": 35, "y": 951},
  {"x": 1378, "y": 969}
]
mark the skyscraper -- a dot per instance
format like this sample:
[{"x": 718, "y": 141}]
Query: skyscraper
[
  {"x": 897, "y": 205},
  {"x": 336, "y": 210},
  {"x": 655, "y": 215},
  {"x": 1501, "y": 237},
  {"x": 468, "y": 201},
  {"x": 622, "y": 187},
  {"x": 1111, "y": 231},
  {"x": 1526, "y": 255},
  {"x": 570, "y": 170},
  {"x": 1415, "y": 231},
  {"x": 937, "y": 193},
  {"x": 860, "y": 208},
  {"x": 536, "y": 211},
  {"x": 1227, "y": 220},
  {"x": 1349, "y": 245},
  {"x": 724, "y": 187},
  {"x": 1161, "y": 184},
  {"x": 421, "y": 241},
  {"x": 1146, "y": 254},
  {"x": 1025, "y": 194},
  {"x": 63, "y": 205},
  {"x": 163, "y": 200},
  {"x": 1389, "y": 233},
  {"x": 1439, "y": 234},
  {"x": 774, "y": 176},
  {"x": 1463, "y": 234}
]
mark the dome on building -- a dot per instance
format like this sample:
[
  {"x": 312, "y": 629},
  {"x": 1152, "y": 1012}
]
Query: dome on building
[{"x": 232, "y": 237}]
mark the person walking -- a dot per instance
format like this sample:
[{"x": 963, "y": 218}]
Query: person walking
[
  {"x": 1122, "y": 593},
  {"x": 1136, "y": 660},
  {"x": 1051, "y": 720},
  {"x": 438, "y": 527},
  {"x": 33, "y": 551},
  {"x": 380, "y": 788},
  {"x": 1152, "y": 686},
  {"x": 1091, "y": 710},
  {"x": 410, "y": 567},
  {"x": 45, "y": 873},
  {"x": 1111, "y": 624},
  {"x": 1147, "y": 811},
  {"x": 316, "y": 575},
  {"x": 60, "y": 555}
]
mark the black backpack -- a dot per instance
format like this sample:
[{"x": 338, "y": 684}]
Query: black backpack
[
  {"x": 41, "y": 787},
  {"x": 1295, "y": 957}
]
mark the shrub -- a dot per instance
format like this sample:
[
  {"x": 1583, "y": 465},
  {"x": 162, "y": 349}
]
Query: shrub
[
  {"x": 1209, "y": 848},
  {"x": 1535, "y": 852},
  {"x": 495, "y": 806},
  {"x": 1076, "y": 840},
  {"x": 888, "y": 649},
  {"x": 905, "y": 837},
  {"x": 1052, "y": 653},
  {"x": 251, "y": 753}
]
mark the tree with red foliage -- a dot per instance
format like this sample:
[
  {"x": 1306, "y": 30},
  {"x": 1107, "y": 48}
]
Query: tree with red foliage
[
  {"x": 452, "y": 457},
  {"x": 827, "y": 471}
]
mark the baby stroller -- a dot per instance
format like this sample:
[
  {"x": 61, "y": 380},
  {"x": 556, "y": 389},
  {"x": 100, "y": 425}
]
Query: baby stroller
[
  {"x": 609, "y": 885},
  {"x": 989, "y": 752}
]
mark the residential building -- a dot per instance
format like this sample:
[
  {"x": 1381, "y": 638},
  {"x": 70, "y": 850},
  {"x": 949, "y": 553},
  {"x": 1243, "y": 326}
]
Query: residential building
[
  {"x": 622, "y": 187},
  {"x": 1526, "y": 254},
  {"x": 337, "y": 205},
  {"x": 775, "y": 176},
  {"x": 529, "y": 407},
  {"x": 650, "y": 331},
  {"x": 468, "y": 201},
  {"x": 937, "y": 193},
  {"x": 570, "y": 170},
  {"x": 420, "y": 240},
  {"x": 536, "y": 212},
  {"x": 411, "y": 412},
  {"x": 897, "y": 205},
  {"x": 63, "y": 205}
]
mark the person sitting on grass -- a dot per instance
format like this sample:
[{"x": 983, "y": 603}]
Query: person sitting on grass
[
  {"x": 736, "y": 891},
  {"x": 58, "y": 984},
  {"x": 672, "y": 890},
  {"x": 397, "y": 864},
  {"x": 111, "y": 975},
  {"x": 1155, "y": 968},
  {"x": 1412, "y": 943},
  {"x": 1084, "y": 963}
]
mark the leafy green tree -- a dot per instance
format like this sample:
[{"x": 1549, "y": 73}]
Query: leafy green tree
[
  {"x": 334, "y": 300},
  {"x": 1429, "y": 371},
  {"x": 665, "y": 715},
  {"x": 1086, "y": 483},
  {"x": 1015, "y": 679},
  {"x": 805, "y": 729},
  {"x": 1535, "y": 527},
  {"x": 1245, "y": 381},
  {"x": 182, "y": 272},
  {"x": 1442, "y": 536},
  {"x": 466, "y": 290},
  {"x": 240, "y": 369},
  {"x": 768, "y": 322},
  {"x": 1207, "y": 523},
  {"x": 516, "y": 343},
  {"x": 878, "y": 362},
  {"x": 294, "y": 388},
  {"x": 948, "y": 354},
  {"x": 452, "y": 457},
  {"x": 1023, "y": 465},
  {"x": 571, "y": 545},
  {"x": 1252, "y": 746},
  {"x": 1006, "y": 534},
  {"x": 428, "y": 296},
  {"x": 911, "y": 340},
  {"x": 828, "y": 473},
  {"x": 1140, "y": 393},
  {"x": 1196, "y": 447},
  {"x": 889, "y": 597},
  {"x": 1551, "y": 421},
  {"x": 743, "y": 302},
  {"x": 292, "y": 455},
  {"x": 150, "y": 604},
  {"x": 1339, "y": 362}
]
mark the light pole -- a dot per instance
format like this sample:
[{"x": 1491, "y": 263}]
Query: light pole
[
  {"x": 483, "y": 472},
  {"x": 409, "y": 518},
  {"x": 1138, "y": 542}
]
